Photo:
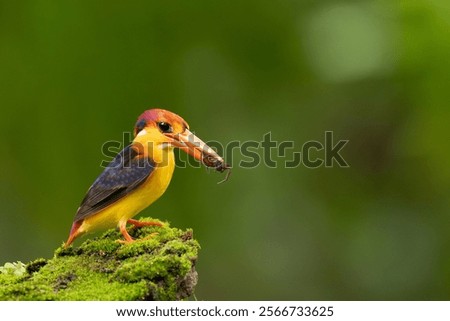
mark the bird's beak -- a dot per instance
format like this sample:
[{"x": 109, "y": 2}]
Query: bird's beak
[{"x": 197, "y": 148}]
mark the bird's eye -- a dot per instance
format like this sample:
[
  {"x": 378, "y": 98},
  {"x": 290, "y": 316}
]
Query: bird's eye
[{"x": 165, "y": 127}]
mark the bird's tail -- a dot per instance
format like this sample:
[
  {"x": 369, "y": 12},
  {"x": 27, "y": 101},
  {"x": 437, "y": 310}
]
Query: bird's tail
[{"x": 74, "y": 232}]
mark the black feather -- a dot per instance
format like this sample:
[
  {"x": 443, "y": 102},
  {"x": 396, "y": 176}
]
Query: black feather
[{"x": 126, "y": 172}]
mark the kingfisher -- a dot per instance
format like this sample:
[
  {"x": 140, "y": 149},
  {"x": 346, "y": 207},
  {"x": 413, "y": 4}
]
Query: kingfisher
[{"x": 139, "y": 174}]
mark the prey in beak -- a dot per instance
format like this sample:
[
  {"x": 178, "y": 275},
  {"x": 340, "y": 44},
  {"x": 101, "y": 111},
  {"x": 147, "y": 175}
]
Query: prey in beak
[{"x": 194, "y": 146}]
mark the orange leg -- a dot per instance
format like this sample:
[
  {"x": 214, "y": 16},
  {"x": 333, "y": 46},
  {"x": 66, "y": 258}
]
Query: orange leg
[{"x": 123, "y": 230}]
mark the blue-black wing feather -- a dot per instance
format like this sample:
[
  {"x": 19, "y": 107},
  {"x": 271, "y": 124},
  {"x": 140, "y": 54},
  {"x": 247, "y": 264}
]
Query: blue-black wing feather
[{"x": 126, "y": 172}]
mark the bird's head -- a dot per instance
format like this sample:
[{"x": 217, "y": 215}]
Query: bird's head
[{"x": 159, "y": 130}]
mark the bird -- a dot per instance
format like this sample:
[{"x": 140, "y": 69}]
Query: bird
[{"x": 139, "y": 174}]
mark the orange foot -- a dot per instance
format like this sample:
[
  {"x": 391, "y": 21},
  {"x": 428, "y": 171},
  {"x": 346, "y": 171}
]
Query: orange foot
[
  {"x": 128, "y": 238},
  {"x": 142, "y": 224}
]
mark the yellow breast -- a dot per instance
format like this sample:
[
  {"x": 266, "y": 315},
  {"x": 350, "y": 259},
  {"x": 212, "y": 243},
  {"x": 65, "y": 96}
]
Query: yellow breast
[{"x": 137, "y": 200}]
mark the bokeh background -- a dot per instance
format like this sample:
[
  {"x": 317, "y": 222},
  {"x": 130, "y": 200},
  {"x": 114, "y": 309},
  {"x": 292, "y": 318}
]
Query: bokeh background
[{"x": 74, "y": 75}]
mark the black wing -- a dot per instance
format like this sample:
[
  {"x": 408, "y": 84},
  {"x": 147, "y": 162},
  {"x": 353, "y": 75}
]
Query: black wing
[{"x": 127, "y": 171}]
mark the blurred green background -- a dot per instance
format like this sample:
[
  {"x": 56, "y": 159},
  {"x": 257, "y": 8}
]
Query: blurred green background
[{"x": 74, "y": 75}]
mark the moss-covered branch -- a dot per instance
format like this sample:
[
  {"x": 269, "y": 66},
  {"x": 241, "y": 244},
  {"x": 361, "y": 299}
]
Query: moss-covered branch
[{"x": 161, "y": 267}]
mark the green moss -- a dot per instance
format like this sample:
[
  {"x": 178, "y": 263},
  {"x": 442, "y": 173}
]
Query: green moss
[
  {"x": 16, "y": 269},
  {"x": 158, "y": 267}
]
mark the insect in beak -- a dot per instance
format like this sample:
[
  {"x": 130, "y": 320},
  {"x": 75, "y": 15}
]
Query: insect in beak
[{"x": 197, "y": 148}]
